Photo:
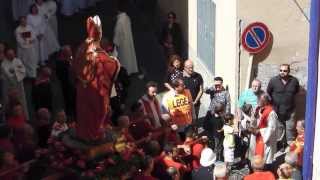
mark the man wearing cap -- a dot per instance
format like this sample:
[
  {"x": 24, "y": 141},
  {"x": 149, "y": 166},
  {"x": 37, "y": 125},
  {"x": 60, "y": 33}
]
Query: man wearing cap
[{"x": 207, "y": 160}]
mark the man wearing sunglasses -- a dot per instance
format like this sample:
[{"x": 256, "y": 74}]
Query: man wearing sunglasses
[
  {"x": 219, "y": 94},
  {"x": 283, "y": 89}
]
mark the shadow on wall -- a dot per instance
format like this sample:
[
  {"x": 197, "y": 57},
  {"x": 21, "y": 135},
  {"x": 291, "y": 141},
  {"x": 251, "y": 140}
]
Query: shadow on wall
[
  {"x": 260, "y": 57},
  {"x": 301, "y": 104}
]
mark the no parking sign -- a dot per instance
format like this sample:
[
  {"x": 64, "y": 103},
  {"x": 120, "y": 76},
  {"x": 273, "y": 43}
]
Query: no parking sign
[{"x": 255, "y": 37}]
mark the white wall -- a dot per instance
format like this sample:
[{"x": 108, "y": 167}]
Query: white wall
[{"x": 288, "y": 26}]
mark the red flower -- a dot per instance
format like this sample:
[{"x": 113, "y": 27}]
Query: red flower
[
  {"x": 81, "y": 164},
  {"x": 83, "y": 157},
  {"x": 99, "y": 169},
  {"x": 126, "y": 155},
  {"x": 68, "y": 161},
  {"x": 60, "y": 166},
  {"x": 110, "y": 161},
  {"x": 44, "y": 151},
  {"x": 38, "y": 153},
  {"x": 60, "y": 156},
  {"x": 50, "y": 140},
  {"x": 52, "y": 157},
  {"x": 54, "y": 164},
  {"x": 90, "y": 173},
  {"x": 77, "y": 152},
  {"x": 61, "y": 148},
  {"x": 57, "y": 144},
  {"x": 140, "y": 152}
]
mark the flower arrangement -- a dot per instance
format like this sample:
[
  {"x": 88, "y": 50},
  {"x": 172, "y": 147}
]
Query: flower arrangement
[{"x": 113, "y": 165}]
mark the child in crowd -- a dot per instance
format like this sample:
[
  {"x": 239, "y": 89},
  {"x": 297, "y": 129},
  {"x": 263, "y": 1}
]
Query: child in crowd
[
  {"x": 60, "y": 124},
  {"x": 229, "y": 140},
  {"x": 16, "y": 118}
]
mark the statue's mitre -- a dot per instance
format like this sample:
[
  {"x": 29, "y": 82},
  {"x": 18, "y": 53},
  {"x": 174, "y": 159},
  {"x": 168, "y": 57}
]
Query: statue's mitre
[{"x": 94, "y": 28}]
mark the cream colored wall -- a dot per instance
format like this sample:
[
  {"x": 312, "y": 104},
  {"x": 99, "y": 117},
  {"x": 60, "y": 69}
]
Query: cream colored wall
[
  {"x": 226, "y": 64},
  {"x": 226, "y": 47},
  {"x": 287, "y": 24},
  {"x": 198, "y": 65}
]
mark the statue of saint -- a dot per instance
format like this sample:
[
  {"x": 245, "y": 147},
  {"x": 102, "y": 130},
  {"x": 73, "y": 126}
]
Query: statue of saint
[{"x": 96, "y": 72}]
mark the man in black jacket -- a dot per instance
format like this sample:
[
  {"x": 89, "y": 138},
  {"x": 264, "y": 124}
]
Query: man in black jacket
[{"x": 283, "y": 88}]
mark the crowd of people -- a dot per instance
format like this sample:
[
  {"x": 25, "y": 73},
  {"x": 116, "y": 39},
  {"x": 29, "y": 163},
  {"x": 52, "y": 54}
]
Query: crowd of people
[{"x": 261, "y": 140}]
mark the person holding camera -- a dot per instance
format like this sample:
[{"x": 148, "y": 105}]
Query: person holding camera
[{"x": 219, "y": 95}]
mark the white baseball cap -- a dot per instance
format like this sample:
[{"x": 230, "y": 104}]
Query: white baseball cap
[{"x": 207, "y": 158}]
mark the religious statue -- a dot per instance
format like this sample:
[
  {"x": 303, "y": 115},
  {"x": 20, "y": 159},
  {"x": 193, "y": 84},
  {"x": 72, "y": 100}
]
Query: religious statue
[{"x": 96, "y": 72}]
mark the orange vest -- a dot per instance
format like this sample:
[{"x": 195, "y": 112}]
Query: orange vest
[{"x": 180, "y": 108}]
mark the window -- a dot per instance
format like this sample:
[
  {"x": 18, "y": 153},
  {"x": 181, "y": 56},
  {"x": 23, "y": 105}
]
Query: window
[{"x": 206, "y": 11}]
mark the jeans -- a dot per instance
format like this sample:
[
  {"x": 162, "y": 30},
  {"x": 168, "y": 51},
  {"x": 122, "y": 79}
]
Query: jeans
[
  {"x": 289, "y": 122},
  {"x": 196, "y": 110}
]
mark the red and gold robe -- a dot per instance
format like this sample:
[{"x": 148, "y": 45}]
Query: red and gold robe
[{"x": 96, "y": 72}]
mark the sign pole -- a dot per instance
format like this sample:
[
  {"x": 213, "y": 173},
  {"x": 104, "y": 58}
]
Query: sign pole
[
  {"x": 254, "y": 39},
  {"x": 249, "y": 71}
]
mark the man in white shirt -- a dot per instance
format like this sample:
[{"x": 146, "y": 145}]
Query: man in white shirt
[{"x": 13, "y": 73}]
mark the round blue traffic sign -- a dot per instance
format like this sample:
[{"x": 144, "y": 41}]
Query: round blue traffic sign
[{"x": 255, "y": 37}]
